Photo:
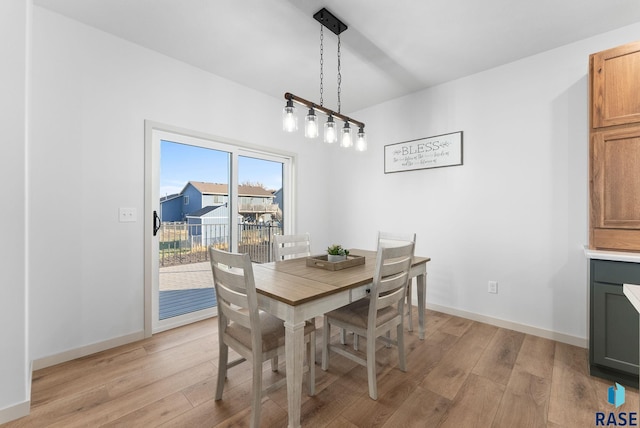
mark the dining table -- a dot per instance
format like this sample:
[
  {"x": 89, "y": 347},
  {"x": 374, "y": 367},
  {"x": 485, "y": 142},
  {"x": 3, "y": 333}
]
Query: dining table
[{"x": 295, "y": 292}]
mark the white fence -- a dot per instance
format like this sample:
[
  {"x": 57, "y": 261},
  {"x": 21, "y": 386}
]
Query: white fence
[{"x": 187, "y": 243}]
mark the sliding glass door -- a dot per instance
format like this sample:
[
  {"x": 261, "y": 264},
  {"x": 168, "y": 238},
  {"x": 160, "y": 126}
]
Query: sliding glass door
[{"x": 204, "y": 192}]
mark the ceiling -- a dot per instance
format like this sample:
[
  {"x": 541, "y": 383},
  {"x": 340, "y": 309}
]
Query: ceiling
[{"x": 389, "y": 50}]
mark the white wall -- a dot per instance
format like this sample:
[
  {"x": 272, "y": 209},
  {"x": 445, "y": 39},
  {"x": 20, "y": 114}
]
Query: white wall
[
  {"x": 91, "y": 95},
  {"x": 14, "y": 366},
  {"x": 515, "y": 212}
]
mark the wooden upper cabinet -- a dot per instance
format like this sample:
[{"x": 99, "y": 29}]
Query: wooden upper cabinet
[
  {"x": 615, "y": 90},
  {"x": 616, "y": 178},
  {"x": 614, "y": 154}
]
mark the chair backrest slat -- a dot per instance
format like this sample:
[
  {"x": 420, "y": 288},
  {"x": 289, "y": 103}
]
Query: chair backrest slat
[
  {"x": 391, "y": 239},
  {"x": 231, "y": 279},
  {"x": 291, "y": 246},
  {"x": 391, "y": 278}
]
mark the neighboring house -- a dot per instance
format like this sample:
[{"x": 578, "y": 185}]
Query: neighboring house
[
  {"x": 171, "y": 207},
  {"x": 209, "y": 225},
  {"x": 277, "y": 195},
  {"x": 255, "y": 203}
]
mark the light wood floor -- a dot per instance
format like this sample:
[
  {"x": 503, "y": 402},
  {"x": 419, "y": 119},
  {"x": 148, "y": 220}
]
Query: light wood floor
[{"x": 464, "y": 374}]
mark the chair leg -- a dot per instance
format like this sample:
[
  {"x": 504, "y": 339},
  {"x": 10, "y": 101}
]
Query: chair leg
[
  {"x": 356, "y": 341},
  {"x": 402, "y": 361},
  {"x": 222, "y": 368},
  {"x": 311, "y": 361},
  {"x": 325, "y": 343},
  {"x": 256, "y": 392},
  {"x": 371, "y": 365},
  {"x": 343, "y": 336},
  {"x": 274, "y": 364},
  {"x": 410, "y": 309}
]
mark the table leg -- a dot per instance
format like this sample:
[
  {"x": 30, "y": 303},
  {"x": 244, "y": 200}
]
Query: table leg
[
  {"x": 294, "y": 350},
  {"x": 421, "y": 282}
]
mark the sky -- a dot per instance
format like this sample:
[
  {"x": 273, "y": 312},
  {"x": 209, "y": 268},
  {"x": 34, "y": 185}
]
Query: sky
[{"x": 181, "y": 163}]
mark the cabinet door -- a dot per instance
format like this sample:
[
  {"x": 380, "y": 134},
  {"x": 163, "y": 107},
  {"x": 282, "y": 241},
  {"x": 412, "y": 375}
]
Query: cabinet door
[
  {"x": 615, "y": 188},
  {"x": 615, "y": 329},
  {"x": 615, "y": 86}
]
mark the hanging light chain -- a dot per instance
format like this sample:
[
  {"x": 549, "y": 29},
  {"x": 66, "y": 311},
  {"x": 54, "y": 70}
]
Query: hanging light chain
[
  {"x": 321, "y": 64},
  {"x": 339, "y": 75}
]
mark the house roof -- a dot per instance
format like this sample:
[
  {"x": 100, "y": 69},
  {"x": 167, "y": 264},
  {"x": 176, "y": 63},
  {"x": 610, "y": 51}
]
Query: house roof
[
  {"x": 203, "y": 211},
  {"x": 169, "y": 197},
  {"x": 222, "y": 189}
]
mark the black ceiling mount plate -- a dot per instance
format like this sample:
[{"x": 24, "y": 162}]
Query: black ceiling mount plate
[{"x": 330, "y": 21}]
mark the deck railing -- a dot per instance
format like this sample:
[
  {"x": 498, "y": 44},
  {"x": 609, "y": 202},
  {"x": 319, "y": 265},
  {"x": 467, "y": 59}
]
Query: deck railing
[{"x": 182, "y": 243}]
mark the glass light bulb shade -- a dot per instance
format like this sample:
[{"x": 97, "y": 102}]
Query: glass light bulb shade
[
  {"x": 330, "y": 131},
  {"x": 311, "y": 125},
  {"x": 289, "y": 118},
  {"x": 361, "y": 141},
  {"x": 346, "y": 139}
]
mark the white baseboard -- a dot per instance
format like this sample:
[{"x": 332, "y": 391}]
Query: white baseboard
[
  {"x": 15, "y": 412},
  {"x": 535, "y": 331},
  {"x": 83, "y": 351},
  {"x": 21, "y": 409}
]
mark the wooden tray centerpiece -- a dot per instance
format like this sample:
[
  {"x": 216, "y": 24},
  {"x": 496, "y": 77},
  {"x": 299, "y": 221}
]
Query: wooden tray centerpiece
[{"x": 324, "y": 262}]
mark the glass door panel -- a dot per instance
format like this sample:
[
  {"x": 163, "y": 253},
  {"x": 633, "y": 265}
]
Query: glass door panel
[
  {"x": 260, "y": 205},
  {"x": 194, "y": 214}
]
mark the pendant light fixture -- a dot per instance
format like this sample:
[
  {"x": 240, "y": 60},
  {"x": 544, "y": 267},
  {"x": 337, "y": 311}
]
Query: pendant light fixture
[
  {"x": 311, "y": 123},
  {"x": 289, "y": 118},
  {"x": 345, "y": 138},
  {"x": 330, "y": 132},
  {"x": 361, "y": 141}
]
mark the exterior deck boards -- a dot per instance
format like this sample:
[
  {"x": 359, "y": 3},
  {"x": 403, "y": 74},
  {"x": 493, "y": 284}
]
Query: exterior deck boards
[{"x": 179, "y": 302}]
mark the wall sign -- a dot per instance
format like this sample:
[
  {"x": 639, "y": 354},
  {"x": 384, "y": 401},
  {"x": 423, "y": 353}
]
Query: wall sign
[{"x": 431, "y": 152}]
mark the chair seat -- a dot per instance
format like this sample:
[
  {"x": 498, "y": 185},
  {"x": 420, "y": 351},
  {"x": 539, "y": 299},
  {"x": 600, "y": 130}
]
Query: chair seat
[
  {"x": 272, "y": 332},
  {"x": 357, "y": 314}
]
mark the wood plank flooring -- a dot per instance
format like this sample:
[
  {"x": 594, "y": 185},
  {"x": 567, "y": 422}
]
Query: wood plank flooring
[{"x": 464, "y": 374}]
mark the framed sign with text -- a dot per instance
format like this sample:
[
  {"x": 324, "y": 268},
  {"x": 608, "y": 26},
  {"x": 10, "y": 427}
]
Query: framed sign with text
[{"x": 431, "y": 152}]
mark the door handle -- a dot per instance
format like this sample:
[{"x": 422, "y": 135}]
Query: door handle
[{"x": 156, "y": 223}]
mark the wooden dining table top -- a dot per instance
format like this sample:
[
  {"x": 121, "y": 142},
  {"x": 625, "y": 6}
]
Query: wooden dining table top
[{"x": 294, "y": 283}]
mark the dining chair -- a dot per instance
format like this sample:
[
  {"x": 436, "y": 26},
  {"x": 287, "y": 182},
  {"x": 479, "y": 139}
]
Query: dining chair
[
  {"x": 389, "y": 239},
  {"x": 256, "y": 335},
  {"x": 373, "y": 317},
  {"x": 291, "y": 246}
]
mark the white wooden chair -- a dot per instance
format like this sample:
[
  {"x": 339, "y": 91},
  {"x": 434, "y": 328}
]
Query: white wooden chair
[
  {"x": 255, "y": 335},
  {"x": 373, "y": 317},
  {"x": 389, "y": 239},
  {"x": 291, "y": 246}
]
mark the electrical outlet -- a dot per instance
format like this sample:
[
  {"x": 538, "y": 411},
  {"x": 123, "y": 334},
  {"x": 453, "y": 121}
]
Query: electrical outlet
[{"x": 493, "y": 287}]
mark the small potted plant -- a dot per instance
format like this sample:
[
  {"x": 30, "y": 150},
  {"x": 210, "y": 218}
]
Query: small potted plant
[{"x": 336, "y": 253}]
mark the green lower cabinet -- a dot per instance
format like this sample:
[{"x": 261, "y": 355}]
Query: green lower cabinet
[{"x": 614, "y": 328}]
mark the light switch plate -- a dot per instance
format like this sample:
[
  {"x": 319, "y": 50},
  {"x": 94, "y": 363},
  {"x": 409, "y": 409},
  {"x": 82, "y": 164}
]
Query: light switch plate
[
  {"x": 493, "y": 287},
  {"x": 128, "y": 215}
]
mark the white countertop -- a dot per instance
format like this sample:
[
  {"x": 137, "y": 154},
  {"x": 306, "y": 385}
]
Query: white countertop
[
  {"x": 633, "y": 294},
  {"x": 618, "y": 256}
]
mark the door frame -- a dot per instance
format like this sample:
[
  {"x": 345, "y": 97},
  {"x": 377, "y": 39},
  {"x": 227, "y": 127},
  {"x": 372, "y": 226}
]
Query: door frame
[{"x": 153, "y": 131}]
